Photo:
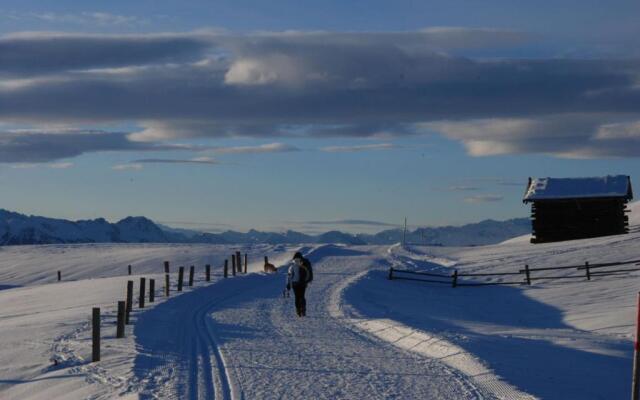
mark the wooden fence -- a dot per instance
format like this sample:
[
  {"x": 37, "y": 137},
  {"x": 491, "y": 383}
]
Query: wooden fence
[
  {"x": 125, "y": 307},
  {"x": 527, "y": 275}
]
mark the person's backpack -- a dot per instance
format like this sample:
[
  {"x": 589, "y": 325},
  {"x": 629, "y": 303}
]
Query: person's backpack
[
  {"x": 307, "y": 265},
  {"x": 304, "y": 273}
]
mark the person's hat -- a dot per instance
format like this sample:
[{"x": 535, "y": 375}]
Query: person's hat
[{"x": 297, "y": 255}]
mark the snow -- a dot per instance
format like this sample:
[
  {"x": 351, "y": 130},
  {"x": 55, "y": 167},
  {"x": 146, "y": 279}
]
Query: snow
[
  {"x": 364, "y": 337},
  {"x": 569, "y": 188}
]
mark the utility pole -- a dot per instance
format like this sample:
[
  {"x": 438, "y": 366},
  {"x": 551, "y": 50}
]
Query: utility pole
[{"x": 404, "y": 233}]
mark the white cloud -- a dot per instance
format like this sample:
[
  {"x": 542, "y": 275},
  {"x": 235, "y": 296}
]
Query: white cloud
[
  {"x": 51, "y": 144},
  {"x": 264, "y": 148},
  {"x": 574, "y": 135},
  {"x": 196, "y": 160},
  {"x": 124, "y": 167},
  {"x": 359, "y": 148},
  {"x": 61, "y": 165},
  {"x": 86, "y": 18}
]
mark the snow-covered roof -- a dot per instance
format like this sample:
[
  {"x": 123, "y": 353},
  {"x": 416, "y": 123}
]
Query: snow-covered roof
[{"x": 572, "y": 188}]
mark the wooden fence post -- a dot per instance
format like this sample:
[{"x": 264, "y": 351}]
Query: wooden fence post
[
  {"x": 454, "y": 281},
  {"x": 142, "y": 292},
  {"x": 166, "y": 285},
  {"x": 226, "y": 268},
  {"x": 207, "y": 272},
  {"x": 266, "y": 261},
  {"x": 390, "y": 273},
  {"x": 527, "y": 273},
  {"x": 152, "y": 290},
  {"x": 586, "y": 268},
  {"x": 238, "y": 262},
  {"x": 180, "y": 278},
  {"x": 129, "y": 268},
  {"x": 245, "y": 262},
  {"x": 635, "y": 381},
  {"x": 129, "y": 301},
  {"x": 95, "y": 325},
  {"x": 166, "y": 267},
  {"x": 191, "y": 271},
  {"x": 59, "y": 276},
  {"x": 121, "y": 312},
  {"x": 233, "y": 264}
]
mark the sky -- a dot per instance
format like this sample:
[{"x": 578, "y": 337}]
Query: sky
[{"x": 216, "y": 115}]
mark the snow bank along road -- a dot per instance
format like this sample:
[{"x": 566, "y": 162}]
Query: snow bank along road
[{"x": 364, "y": 337}]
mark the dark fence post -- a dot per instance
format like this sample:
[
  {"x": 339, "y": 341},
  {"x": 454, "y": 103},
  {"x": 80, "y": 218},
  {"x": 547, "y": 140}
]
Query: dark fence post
[
  {"x": 59, "y": 276},
  {"x": 166, "y": 285},
  {"x": 586, "y": 268},
  {"x": 166, "y": 267},
  {"x": 390, "y": 273},
  {"x": 142, "y": 292},
  {"x": 527, "y": 273},
  {"x": 95, "y": 325},
  {"x": 454, "y": 281},
  {"x": 129, "y": 268},
  {"x": 129, "y": 301},
  {"x": 207, "y": 272},
  {"x": 266, "y": 261},
  {"x": 191, "y": 271},
  {"x": 226, "y": 268},
  {"x": 180, "y": 278},
  {"x": 121, "y": 313},
  {"x": 233, "y": 264},
  {"x": 152, "y": 290},
  {"x": 636, "y": 357},
  {"x": 245, "y": 262}
]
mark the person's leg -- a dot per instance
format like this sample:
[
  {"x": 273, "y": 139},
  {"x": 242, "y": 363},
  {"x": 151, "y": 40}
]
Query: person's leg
[
  {"x": 299, "y": 296},
  {"x": 303, "y": 301}
]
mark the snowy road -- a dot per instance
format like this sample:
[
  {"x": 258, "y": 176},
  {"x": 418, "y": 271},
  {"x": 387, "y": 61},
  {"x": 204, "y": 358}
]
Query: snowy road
[
  {"x": 364, "y": 337},
  {"x": 240, "y": 339}
]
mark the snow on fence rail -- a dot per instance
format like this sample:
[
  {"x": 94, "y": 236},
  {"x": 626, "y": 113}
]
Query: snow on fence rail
[{"x": 454, "y": 279}]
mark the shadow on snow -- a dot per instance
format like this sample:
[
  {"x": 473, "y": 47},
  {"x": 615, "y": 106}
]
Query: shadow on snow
[{"x": 511, "y": 332}]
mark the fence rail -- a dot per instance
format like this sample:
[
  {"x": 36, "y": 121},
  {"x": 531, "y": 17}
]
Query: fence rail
[{"x": 526, "y": 273}]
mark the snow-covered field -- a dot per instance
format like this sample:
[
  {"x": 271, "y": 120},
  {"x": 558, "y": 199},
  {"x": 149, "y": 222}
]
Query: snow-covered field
[{"x": 364, "y": 337}]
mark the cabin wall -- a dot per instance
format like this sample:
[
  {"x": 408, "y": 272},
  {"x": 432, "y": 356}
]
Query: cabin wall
[{"x": 557, "y": 220}]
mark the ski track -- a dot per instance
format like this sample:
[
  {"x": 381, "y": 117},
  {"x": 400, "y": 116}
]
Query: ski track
[
  {"x": 241, "y": 339},
  {"x": 200, "y": 370}
]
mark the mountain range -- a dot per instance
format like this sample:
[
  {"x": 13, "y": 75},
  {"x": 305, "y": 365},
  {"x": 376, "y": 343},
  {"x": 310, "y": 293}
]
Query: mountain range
[{"x": 20, "y": 229}]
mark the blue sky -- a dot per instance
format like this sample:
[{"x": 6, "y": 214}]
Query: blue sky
[{"x": 245, "y": 114}]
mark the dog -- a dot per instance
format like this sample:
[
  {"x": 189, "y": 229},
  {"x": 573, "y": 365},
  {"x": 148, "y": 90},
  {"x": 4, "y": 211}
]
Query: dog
[{"x": 269, "y": 267}]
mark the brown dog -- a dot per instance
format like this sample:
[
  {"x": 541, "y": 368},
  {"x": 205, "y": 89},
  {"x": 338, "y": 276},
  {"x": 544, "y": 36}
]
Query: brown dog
[{"x": 269, "y": 267}]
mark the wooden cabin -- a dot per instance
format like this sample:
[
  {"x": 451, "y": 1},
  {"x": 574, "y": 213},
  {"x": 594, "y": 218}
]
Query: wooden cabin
[{"x": 578, "y": 208}]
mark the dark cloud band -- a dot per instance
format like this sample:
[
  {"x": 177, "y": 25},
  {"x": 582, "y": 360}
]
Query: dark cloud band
[{"x": 322, "y": 85}]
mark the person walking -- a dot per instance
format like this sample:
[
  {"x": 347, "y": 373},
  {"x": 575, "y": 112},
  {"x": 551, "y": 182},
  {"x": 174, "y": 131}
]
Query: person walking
[{"x": 300, "y": 274}]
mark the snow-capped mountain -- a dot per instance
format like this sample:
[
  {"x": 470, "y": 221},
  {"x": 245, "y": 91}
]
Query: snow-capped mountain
[
  {"x": 477, "y": 234},
  {"x": 17, "y": 228}
]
